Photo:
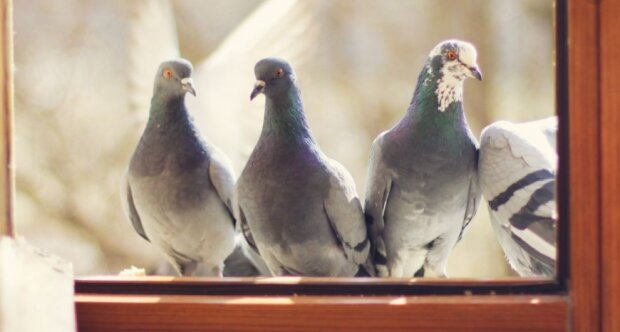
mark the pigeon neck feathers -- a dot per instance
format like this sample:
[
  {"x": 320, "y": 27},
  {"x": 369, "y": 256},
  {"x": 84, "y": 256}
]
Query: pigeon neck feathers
[
  {"x": 169, "y": 135},
  {"x": 425, "y": 112},
  {"x": 284, "y": 115},
  {"x": 169, "y": 117},
  {"x": 437, "y": 89},
  {"x": 167, "y": 108}
]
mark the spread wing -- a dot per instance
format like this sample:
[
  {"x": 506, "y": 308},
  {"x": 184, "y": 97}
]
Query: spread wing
[
  {"x": 517, "y": 170},
  {"x": 272, "y": 29},
  {"x": 152, "y": 39}
]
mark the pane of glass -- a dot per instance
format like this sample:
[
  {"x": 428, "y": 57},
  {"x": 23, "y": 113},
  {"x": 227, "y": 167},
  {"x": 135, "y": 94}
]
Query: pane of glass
[{"x": 84, "y": 82}]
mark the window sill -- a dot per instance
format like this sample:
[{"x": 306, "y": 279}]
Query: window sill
[{"x": 324, "y": 313}]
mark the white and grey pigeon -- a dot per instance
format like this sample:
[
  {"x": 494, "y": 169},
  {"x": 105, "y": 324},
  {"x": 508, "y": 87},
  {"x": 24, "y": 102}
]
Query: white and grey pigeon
[
  {"x": 300, "y": 206},
  {"x": 517, "y": 170},
  {"x": 178, "y": 189},
  {"x": 421, "y": 189}
]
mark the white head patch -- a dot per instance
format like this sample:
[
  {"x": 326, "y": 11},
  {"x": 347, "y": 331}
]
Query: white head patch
[{"x": 450, "y": 85}]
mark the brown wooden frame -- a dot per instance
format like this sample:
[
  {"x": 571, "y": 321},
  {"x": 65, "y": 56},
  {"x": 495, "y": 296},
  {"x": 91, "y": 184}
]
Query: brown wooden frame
[
  {"x": 609, "y": 94},
  {"x": 590, "y": 145}
]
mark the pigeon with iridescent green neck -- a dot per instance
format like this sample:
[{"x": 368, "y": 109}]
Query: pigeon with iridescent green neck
[
  {"x": 422, "y": 189},
  {"x": 178, "y": 190},
  {"x": 301, "y": 209}
]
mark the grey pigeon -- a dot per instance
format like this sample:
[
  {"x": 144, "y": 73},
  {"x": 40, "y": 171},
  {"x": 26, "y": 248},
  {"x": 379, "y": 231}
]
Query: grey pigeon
[
  {"x": 301, "y": 207},
  {"x": 179, "y": 189},
  {"x": 517, "y": 171},
  {"x": 421, "y": 189}
]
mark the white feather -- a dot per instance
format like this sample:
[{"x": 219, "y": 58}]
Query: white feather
[{"x": 509, "y": 152}]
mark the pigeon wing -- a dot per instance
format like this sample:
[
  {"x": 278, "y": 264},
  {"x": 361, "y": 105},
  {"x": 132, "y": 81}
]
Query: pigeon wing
[
  {"x": 246, "y": 241},
  {"x": 130, "y": 209},
  {"x": 378, "y": 186},
  {"x": 473, "y": 203},
  {"x": 223, "y": 179},
  {"x": 344, "y": 211},
  {"x": 517, "y": 177}
]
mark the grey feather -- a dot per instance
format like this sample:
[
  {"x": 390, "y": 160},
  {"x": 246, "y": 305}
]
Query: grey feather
[
  {"x": 179, "y": 187},
  {"x": 223, "y": 179},
  {"x": 130, "y": 209},
  {"x": 301, "y": 208},
  {"x": 517, "y": 175},
  {"x": 473, "y": 199},
  {"x": 422, "y": 187},
  {"x": 248, "y": 245},
  {"x": 238, "y": 264},
  {"x": 344, "y": 212}
]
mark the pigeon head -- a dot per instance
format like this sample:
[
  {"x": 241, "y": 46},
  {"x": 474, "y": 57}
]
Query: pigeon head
[
  {"x": 455, "y": 59},
  {"x": 274, "y": 76},
  {"x": 174, "y": 78},
  {"x": 450, "y": 63}
]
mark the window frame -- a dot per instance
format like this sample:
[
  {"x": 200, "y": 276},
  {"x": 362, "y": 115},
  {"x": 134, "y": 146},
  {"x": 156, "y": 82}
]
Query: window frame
[{"x": 572, "y": 301}]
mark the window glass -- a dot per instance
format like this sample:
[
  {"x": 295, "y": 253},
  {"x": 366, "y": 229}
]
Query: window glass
[{"x": 84, "y": 82}]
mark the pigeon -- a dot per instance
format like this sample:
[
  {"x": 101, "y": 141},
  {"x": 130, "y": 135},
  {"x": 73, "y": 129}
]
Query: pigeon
[
  {"x": 517, "y": 172},
  {"x": 421, "y": 186},
  {"x": 178, "y": 190},
  {"x": 301, "y": 208}
]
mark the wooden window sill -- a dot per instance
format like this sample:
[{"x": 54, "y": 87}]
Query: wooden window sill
[
  {"x": 171, "y": 303},
  {"x": 322, "y": 313}
]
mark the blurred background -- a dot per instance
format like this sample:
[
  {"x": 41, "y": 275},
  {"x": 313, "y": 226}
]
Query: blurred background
[{"x": 85, "y": 69}]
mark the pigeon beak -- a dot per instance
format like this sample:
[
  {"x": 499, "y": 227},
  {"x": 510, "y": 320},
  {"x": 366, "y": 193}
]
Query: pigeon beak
[
  {"x": 259, "y": 87},
  {"x": 188, "y": 85},
  {"x": 475, "y": 72}
]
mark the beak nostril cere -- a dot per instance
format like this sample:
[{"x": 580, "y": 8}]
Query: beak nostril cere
[{"x": 259, "y": 87}]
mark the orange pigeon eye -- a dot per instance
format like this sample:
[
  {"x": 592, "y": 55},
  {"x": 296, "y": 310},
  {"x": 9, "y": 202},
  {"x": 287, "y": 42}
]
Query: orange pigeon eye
[
  {"x": 167, "y": 73},
  {"x": 279, "y": 72},
  {"x": 451, "y": 55}
]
